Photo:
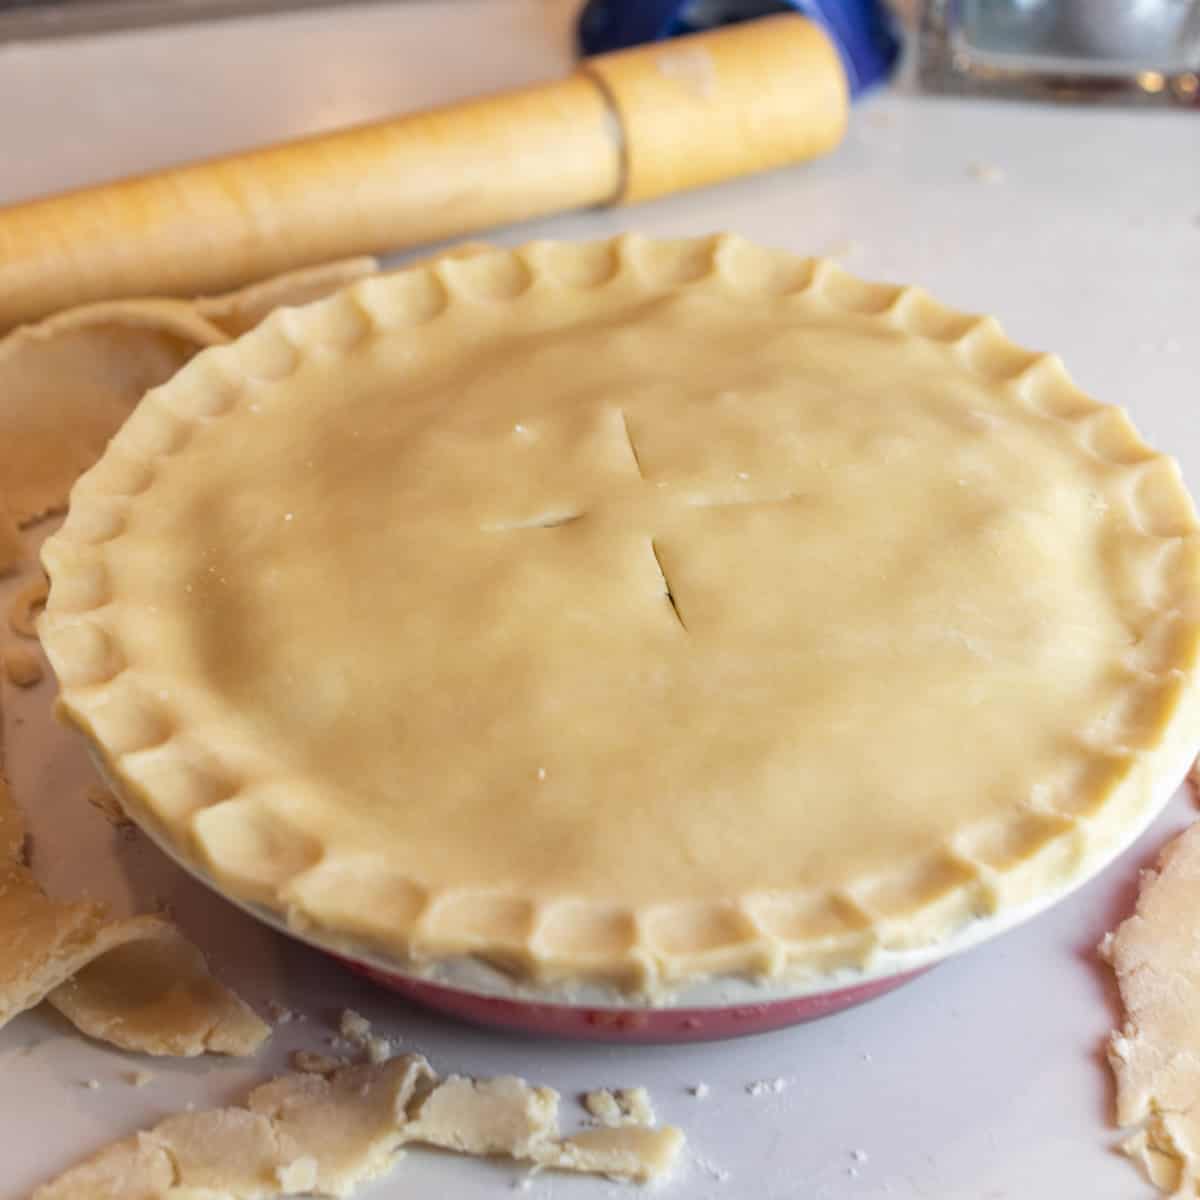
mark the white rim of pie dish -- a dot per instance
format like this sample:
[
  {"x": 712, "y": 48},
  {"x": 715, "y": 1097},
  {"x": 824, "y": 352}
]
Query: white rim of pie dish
[{"x": 473, "y": 976}]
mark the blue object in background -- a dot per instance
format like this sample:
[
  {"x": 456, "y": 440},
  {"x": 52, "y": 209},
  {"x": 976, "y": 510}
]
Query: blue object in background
[{"x": 860, "y": 29}]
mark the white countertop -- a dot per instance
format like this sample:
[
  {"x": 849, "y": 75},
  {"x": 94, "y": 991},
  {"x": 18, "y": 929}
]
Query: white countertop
[{"x": 984, "y": 1079}]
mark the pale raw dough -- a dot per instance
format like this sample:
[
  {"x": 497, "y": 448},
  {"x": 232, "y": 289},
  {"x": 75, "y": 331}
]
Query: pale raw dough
[
  {"x": 135, "y": 1169},
  {"x": 22, "y": 666},
  {"x": 297, "y": 1134},
  {"x": 1158, "y": 1153},
  {"x": 1155, "y": 1056},
  {"x": 156, "y": 996},
  {"x": 12, "y": 548},
  {"x": 26, "y": 604},
  {"x": 602, "y": 1105},
  {"x": 12, "y": 827},
  {"x": 356, "y": 1029},
  {"x": 624, "y": 1106},
  {"x": 630, "y": 1152},
  {"x": 487, "y": 1116},
  {"x": 353, "y": 1026},
  {"x": 41, "y": 940},
  {"x": 235, "y": 313},
  {"x": 68, "y": 383},
  {"x": 135, "y": 982},
  {"x": 508, "y": 1116},
  {"x": 12, "y": 821},
  {"x": 313, "y": 1062},
  {"x": 327, "y": 1134}
]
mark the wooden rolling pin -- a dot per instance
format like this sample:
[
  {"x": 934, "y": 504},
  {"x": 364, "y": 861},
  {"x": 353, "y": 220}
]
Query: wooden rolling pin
[{"x": 624, "y": 127}]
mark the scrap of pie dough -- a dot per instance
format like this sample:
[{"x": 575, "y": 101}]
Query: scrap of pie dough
[
  {"x": 12, "y": 823},
  {"x": 1155, "y": 1056},
  {"x": 29, "y": 600},
  {"x": 327, "y": 1134},
  {"x": 313, "y": 1062},
  {"x": 154, "y": 995},
  {"x": 12, "y": 835},
  {"x": 235, "y": 313},
  {"x": 628, "y": 1152},
  {"x": 42, "y": 941},
  {"x": 508, "y": 1116},
  {"x": 135, "y": 982},
  {"x": 624, "y": 1106},
  {"x": 296, "y": 1134},
  {"x": 12, "y": 548},
  {"x": 505, "y": 1115},
  {"x": 1161, "y": 1150},
  {"x": 138, "y": 1168},
  {"x": 68, "y": 383},
  {"x": 22, "y": 666},
  {"x": 356, "y": 1030},
  {"x": 350, "y": 1124}
]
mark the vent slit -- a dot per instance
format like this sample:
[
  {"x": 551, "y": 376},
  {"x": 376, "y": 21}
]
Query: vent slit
[
  {"x": 667, "y": 587},
  {"x": 545, "y": 521},
  {"x": 637, "y": 462}
]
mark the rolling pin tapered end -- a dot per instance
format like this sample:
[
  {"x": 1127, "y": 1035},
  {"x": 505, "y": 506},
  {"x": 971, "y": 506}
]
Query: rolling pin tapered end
[{"x": 713, "y": 106}]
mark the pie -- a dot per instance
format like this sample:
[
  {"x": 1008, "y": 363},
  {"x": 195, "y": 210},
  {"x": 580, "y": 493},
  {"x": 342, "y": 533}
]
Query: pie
[{"x": 632, "y": 611}]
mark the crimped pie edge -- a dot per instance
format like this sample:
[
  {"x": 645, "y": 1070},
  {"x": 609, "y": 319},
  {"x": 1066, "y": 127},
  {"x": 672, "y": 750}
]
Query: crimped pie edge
[{"x": 175, "y": 785}]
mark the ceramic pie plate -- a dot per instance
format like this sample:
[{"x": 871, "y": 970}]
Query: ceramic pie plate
[{"x": 632, "y": 616}]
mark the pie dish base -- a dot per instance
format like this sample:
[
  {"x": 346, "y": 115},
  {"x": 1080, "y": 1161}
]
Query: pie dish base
[{"x": 653, "y": 1026}]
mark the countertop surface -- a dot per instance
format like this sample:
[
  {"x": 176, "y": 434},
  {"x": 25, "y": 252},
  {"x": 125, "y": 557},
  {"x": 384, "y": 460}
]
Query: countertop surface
[{"x": 1079, "y": 229}]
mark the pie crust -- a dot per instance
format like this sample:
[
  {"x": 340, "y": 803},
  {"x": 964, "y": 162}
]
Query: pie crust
[
  {"x": 325, "y": 1133},
  {"x": 632, "y": 611}
]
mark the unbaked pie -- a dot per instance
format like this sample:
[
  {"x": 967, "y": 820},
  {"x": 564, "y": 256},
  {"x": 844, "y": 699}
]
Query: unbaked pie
[{"x": 631, "y": 611}]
